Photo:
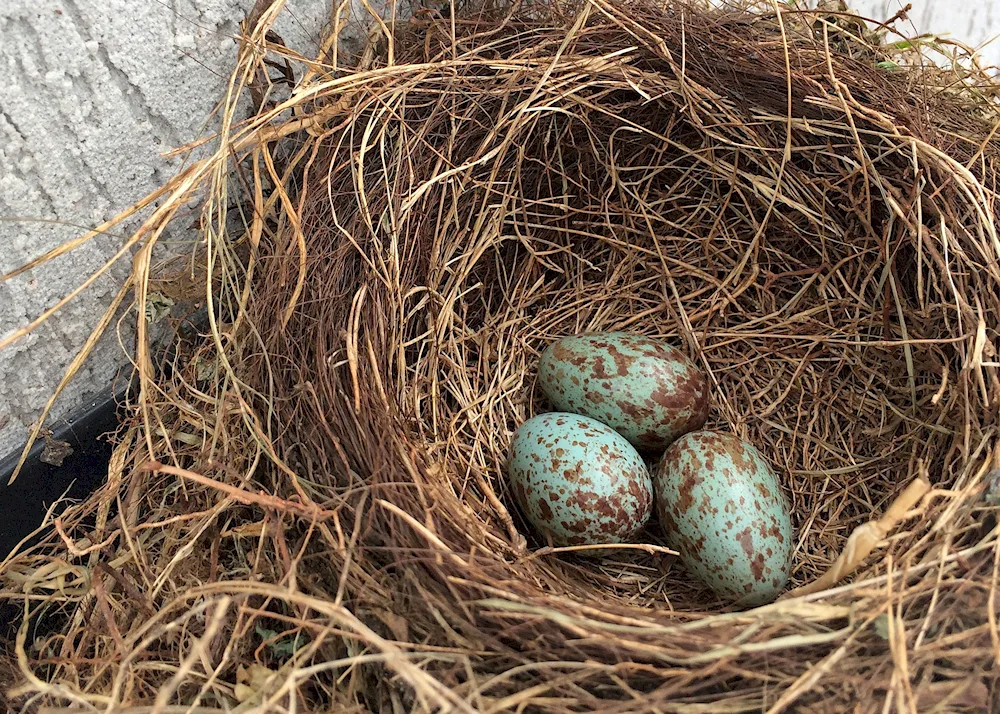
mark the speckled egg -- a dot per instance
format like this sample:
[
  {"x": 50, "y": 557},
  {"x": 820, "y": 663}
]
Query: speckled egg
[
  {"x": 578, "y": 481},
  {"x": 642, "y": 388},
  {"x": 722, "y": 509}
]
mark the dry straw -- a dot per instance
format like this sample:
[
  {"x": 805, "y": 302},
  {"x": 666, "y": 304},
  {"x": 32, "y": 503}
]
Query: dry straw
[{"x": 308, "y": 511}]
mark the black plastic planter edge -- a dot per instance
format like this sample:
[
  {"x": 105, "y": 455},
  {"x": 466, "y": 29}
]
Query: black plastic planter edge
[{"x": 96, "y": 417}]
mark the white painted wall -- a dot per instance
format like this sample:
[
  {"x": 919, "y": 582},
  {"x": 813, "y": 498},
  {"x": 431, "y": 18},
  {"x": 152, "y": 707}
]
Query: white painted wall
[
  {"x": 973, "y": 22},
  {"x": 92, "y": 92}
]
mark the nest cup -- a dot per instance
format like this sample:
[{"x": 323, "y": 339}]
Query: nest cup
[{"x": 803, "y": 208}]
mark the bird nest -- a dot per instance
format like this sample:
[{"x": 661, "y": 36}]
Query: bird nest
[{"x": 309, "y": 511}]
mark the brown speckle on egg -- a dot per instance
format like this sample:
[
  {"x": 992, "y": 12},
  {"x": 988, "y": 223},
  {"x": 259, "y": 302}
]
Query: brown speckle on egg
[
  {"x": 714, "y": 483},
  {"x": 578, "y": 481},
  {"x": 643, "y": 388}
]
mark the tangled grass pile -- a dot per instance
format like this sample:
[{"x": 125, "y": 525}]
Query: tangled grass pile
[{"x": 308, "y": 510}]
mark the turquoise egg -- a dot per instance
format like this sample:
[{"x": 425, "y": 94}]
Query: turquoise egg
[
  {"x": 578, "y": 481},
  {"x": 722, "y": 509},
  {"x": 643, "y": 388}
]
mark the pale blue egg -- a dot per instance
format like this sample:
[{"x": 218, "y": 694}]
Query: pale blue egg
[
  {"x": 578, "y": 481},
  {"x": 646, "y": 390},
  {"x": 722, "y": 509}
]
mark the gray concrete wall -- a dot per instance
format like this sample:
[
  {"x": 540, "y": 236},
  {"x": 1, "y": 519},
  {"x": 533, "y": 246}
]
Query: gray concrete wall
[{"x": 92, "y": 92}]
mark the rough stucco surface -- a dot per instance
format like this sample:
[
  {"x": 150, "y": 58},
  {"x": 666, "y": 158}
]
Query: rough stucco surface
[{"x": 93, "y": 92}]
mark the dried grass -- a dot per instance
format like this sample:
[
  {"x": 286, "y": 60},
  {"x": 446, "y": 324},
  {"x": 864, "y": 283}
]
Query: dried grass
[{"x": 309, "y": 512}]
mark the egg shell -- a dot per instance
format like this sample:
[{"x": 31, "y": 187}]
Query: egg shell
[
  {"x": 646, "y": 390},
  {"x": 578, "y": 481},
  {"x": 722, "y": 509}
]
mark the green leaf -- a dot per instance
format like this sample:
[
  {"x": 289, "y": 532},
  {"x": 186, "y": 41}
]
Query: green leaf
[
  {"x": 266, "y": 634},
  {"x": 279, "y": 645},
  {"x": 204, "y": 370},
  {"x": 285, "y": 646},
  {"x": 992, "y": 492},
  {"x": 157, "y": 307},
  {"x": 882, "y": 626}
]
